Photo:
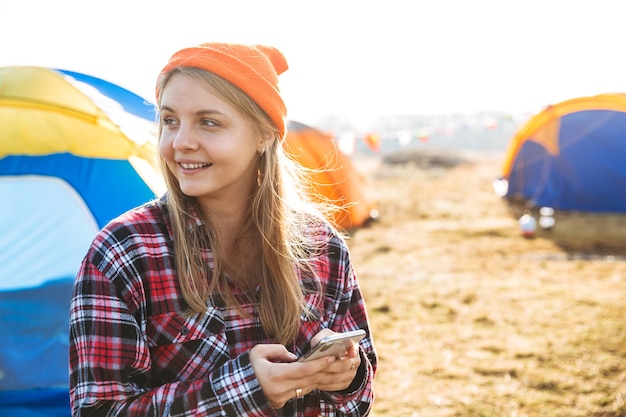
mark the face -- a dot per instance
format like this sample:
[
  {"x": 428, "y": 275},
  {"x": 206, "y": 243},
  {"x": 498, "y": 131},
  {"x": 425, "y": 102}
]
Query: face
[{"x": 208, "y": 145}]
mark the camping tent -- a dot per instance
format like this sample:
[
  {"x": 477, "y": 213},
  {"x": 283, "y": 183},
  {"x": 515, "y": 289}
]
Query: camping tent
[
  {"x": 571, "y": 156},
  {"x": 337, "y": 179},
  {"x": 75, "y": 151}
]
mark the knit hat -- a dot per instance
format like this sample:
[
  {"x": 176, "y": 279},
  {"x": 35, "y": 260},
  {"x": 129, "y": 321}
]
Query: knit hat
[{"x": 252, "y": 68}]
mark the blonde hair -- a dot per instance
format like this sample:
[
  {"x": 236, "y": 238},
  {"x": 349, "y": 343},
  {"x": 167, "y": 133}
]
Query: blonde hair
[{"x": 281, "y": 214}]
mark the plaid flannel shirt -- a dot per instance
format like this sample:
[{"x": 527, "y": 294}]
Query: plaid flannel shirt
[{"x": 134, "y": 353}]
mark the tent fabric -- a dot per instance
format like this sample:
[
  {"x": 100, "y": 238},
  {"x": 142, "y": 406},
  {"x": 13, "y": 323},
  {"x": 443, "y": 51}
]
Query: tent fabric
[
  {"x": 50, "y": 110},
  {"x": 336, "y": 179},
  {"x": 75, "y": 152},
  {"x": 571, "y": 156},
  {"x": 44, "y": 402}
]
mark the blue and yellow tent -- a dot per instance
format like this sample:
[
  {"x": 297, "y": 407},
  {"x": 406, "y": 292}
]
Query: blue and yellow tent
[
  {"x": 75, "y": 151},
  {"x": 571, "y": 156}
]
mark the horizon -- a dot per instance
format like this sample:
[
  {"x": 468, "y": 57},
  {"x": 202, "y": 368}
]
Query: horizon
[{"x": 352, "y": 59}]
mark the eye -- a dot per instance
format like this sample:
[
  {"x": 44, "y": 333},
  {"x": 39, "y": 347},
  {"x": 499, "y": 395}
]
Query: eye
[
  {"x": 168, "y": 121},
  {"x": 208, "y": 122}
]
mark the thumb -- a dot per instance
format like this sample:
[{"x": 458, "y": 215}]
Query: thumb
[{"x": 273, "y": 353}]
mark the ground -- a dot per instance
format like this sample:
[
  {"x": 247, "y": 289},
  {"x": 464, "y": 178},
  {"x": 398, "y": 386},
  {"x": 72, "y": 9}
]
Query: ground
[{"x": 472, "y": 319}]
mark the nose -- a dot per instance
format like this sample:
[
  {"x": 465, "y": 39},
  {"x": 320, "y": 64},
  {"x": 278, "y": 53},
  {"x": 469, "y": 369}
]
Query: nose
[{"x": 184, "y": 139}]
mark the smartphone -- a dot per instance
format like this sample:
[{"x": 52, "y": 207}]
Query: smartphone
[{"x": 333, "y": 345}]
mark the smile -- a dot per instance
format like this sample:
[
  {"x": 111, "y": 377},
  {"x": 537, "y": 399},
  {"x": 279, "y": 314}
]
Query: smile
[{"x": 194, "y": 166}]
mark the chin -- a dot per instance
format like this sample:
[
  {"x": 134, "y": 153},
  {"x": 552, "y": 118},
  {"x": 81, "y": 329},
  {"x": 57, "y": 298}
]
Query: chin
[{"x": 193, "y": 192}]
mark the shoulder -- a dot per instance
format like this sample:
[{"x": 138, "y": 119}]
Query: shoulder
[
  {"x": 323, "y": 232},
  {"x": 126, "y": 254},
  {"x": 327, "y": 244},
  {"x": 137, "y": 229},
  {"x": 147, "y": 218}
]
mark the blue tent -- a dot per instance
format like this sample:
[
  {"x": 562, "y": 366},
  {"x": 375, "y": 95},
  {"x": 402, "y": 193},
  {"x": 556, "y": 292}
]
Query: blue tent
[
  {"x": 571, "y": 156},
  {"x": 75, "y": 151}
]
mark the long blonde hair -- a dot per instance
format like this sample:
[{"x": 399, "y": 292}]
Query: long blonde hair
[{"x": 281, "y": 211}]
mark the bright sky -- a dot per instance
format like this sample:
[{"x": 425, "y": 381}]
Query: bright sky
[{"x": 355, "y": 58}]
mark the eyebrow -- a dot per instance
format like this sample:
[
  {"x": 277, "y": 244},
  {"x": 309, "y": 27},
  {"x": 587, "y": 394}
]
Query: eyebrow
[{"x": 198, "y": 113}]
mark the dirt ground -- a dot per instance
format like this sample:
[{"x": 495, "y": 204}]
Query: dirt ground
[{"x": 472, "y": 319}]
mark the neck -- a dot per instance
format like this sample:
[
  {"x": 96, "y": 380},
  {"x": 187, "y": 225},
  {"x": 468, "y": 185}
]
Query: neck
[
  {"x": 226, "y": 219},
  {"x": 237, "y": 243}
]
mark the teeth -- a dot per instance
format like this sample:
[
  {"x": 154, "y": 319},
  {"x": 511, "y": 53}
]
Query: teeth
[{"x": 192, "y": 166}]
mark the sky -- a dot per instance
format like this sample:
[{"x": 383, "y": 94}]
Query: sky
[{"x": 357, "y": 59}]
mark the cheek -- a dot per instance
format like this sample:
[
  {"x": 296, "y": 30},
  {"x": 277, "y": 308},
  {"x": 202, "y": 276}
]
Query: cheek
[
  {"x": 165, "y": 147},
  {"x": 166, "y": 151},
  {"x": 230, "y": 152}
]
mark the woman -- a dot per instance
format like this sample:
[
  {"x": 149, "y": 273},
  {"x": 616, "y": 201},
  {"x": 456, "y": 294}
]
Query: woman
[{"x": 201, "y": 302}]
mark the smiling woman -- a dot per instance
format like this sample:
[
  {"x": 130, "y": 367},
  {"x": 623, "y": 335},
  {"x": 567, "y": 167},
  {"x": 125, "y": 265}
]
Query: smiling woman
[{"x": 215, "y": 289}]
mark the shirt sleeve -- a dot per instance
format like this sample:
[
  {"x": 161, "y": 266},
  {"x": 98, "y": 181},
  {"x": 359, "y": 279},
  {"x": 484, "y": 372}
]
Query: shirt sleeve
[{"x": 110, "y": 361}]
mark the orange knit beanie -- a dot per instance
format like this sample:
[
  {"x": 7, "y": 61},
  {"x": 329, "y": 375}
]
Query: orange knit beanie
[{"x": 252, "y": 68}]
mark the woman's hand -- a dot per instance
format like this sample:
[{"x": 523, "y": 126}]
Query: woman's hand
[
  {"x": 337, "y": 375},
  {"x": 282, "y": 378}
]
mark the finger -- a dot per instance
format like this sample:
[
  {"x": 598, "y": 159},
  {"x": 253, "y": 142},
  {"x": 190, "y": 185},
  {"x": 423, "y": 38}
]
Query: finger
[
  {"x": 353, "y": 351},
  {"x": 320, "y": 335},
  {"x": 350, "y": 364},
  {"x": 281, "y": 382},
  {"x": 337, "y": 381},
  {"x": 340, "y": 375},
  {"x": 272, "y": 353},
  {"x": 353, "y": 365}
]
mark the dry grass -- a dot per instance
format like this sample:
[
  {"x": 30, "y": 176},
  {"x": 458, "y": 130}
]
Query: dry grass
[{"x": 470, "y": 318}]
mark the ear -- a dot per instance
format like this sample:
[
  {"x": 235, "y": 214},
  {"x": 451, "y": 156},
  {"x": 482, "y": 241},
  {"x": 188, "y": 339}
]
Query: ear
[
  {"x": 264, "y": 144},
  {"x": 260, "y": 147}
]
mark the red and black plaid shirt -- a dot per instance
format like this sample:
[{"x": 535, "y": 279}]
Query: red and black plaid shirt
[{"x": 134, "y": 353}]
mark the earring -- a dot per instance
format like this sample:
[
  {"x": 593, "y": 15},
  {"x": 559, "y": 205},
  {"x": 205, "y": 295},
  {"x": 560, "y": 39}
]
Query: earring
[{"x": 258, "y": 177}]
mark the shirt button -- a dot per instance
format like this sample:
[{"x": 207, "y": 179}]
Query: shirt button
[{"x": 184, "y": 331}]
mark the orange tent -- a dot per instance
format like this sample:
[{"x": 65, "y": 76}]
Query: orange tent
[{"x": 336, "y": 177}]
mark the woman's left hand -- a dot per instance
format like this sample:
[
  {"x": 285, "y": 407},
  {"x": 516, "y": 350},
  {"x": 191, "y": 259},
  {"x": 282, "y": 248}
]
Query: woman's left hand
[{"x": 338, "y": 374}]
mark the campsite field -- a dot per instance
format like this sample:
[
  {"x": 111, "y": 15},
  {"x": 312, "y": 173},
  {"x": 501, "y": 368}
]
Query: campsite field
[{"x": 470, "y": 318}]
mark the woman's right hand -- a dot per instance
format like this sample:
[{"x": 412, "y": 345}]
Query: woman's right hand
[{"x": 281, "y": 377}]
